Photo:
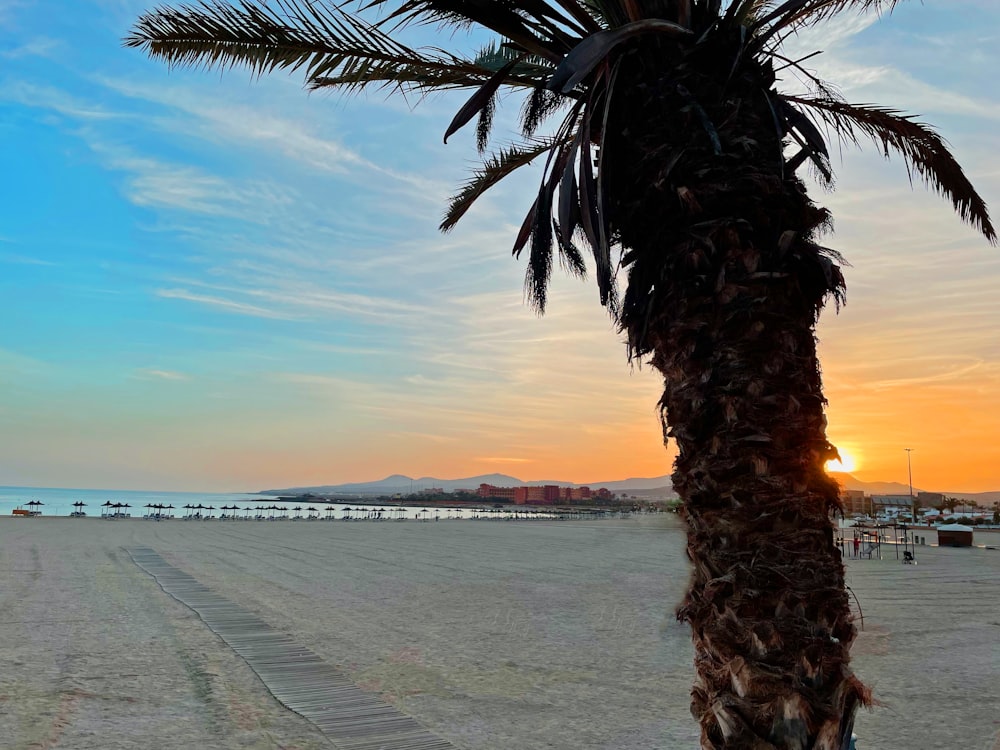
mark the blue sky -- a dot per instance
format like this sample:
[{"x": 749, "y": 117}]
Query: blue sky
[{"x": 215, "y": 283}]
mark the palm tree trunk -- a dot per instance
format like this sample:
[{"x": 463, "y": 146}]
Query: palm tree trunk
[
  {"x": 769, "y": 614},
  {"x": 725, "y": 287}
]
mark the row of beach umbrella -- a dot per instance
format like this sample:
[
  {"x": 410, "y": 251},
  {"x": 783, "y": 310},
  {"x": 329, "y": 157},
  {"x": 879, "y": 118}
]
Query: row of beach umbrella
[{"x": 159, "y": 511}]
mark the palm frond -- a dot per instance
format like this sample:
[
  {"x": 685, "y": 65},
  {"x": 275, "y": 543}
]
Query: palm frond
[
  {"x": 377, "y": 74},
  {"x": 483, "y": 103},
  {"x": 426, "y": 73},
  {"x": 546, "y": 19},
  {"x": 610, "y": 13},
  {"x": 492, "y": 171},
  {"x": 485, "y": 124},
  {"x": 538, "y": 106},
  {"x": 254, "y": 35},
  {"x": 746, "y": 12},
  {"x": 585, "y": 56},
  {"x": 570, "y": 257},
  {"x": 336, "y": 49},
  {"x": 923, "y": 151},
  {"x": 532, "y": 33},
  {"x": 332, "y": 47},
  {"x": 578, "y": 12}
]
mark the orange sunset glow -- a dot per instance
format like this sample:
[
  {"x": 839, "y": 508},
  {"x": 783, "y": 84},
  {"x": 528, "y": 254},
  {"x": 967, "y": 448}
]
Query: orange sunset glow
[{"x": 228, "y": 285}]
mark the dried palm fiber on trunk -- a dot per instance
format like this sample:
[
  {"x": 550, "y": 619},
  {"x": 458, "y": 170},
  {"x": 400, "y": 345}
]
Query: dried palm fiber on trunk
[{"x": 725, "y": 286}]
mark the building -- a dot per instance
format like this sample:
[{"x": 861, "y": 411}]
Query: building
[
  {"x": 893, "y": 505},
  {"x": 855, "y": 501},
  {"x": 549, "y": 494},
  {"x": 954, "y": 535},
  {"x": 930, "y": 499},
  {"x": 491, "y": 491}
]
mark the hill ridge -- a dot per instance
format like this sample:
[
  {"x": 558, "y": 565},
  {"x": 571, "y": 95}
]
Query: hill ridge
[{"x": 400, "y": 483}]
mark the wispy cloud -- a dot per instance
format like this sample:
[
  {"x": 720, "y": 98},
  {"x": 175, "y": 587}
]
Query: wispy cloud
[
  {"x": 36, "y": 47},
  {"x": 14, "y": 363},
  {"x": 40, "y": 96},
  {"x": 829, "y": 36},
  {"x": 24, "y": 260},
  {"x": 227, "y": 304},
  {"x": 232, "y": 122},
  {"x": 159, "y": 184},
  {"x": 155, "y": 374},
  {"x": 949, "y": 376},
  {"x": 884, "y": 84}
]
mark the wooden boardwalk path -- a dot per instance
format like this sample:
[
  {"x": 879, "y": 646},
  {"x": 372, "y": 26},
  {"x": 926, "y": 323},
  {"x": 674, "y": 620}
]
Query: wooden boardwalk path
[{"x": 297, "y": 677}]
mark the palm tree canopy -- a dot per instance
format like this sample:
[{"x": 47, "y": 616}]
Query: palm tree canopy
[{"x": 565, "y": 57}]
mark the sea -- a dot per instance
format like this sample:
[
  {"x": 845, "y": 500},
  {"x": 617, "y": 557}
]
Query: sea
[{"x": 57, "y": 501}]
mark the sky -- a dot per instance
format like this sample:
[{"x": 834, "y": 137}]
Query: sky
[{"x": 210, "y": 282}]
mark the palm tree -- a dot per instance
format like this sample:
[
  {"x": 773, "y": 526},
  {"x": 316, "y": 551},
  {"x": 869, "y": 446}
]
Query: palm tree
[{"x": 674, "y": 159}]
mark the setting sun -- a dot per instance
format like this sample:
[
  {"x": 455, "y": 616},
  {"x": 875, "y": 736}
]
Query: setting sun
[{"x": 846, "y": 462}]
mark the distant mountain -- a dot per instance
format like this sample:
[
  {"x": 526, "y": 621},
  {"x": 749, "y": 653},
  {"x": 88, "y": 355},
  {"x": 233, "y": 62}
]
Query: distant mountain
[
  {"x": 847, "y": 481},
  {"x": 898, "y": 488},
  {"x": 982, "y": 499},
  {"x": 400, "y": 483},
  {"x": 403, "y": 484},
  {"x": 642, "y": 486},
  {"x": 635, "y": 484}
]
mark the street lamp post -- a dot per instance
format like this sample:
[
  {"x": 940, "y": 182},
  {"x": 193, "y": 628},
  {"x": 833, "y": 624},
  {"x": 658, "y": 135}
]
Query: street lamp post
[{"x": 909, "y": 471}]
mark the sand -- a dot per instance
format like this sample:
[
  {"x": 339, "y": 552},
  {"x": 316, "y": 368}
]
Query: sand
[{"x": 493, "y": 635}]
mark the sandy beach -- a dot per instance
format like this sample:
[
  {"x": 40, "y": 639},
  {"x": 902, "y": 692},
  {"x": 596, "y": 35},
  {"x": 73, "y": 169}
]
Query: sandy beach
[{"x": 492, "y": 635}]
